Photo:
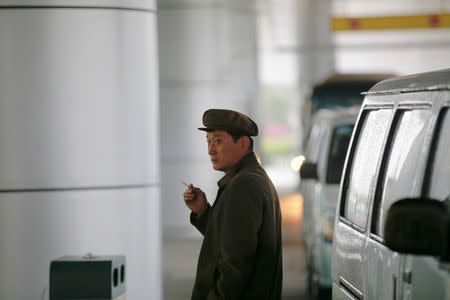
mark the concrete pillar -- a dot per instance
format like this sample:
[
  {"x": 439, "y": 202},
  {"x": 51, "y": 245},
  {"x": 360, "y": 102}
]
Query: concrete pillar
[
  {"x": 315, "y": 41},
  {"x": 207, "y": 53},
  {"x": 297, "y": 52},
  {"x": 79, "y": 156},
  {"x": 316, "y": 50}
]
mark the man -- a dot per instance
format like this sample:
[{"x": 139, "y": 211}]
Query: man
[{"x": 241, "y": 252}]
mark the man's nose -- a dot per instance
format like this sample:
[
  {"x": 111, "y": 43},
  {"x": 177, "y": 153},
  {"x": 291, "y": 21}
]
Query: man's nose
[{"x": 211, "y": 149}]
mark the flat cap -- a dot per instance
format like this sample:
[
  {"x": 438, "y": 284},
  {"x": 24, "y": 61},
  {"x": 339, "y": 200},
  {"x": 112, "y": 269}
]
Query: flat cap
[{"x": 233, "y": 122}]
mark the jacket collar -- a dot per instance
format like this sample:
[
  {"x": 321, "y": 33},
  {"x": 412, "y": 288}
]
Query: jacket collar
[{"x": 247, "y": 161}]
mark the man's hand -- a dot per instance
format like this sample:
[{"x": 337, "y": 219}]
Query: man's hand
[{"x": 195, "y": 200}]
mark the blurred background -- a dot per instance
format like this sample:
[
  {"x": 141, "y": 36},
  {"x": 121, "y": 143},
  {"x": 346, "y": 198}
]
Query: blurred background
[{"x": 100, "y": 102}]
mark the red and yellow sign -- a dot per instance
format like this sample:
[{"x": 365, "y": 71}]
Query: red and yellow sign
[{"x": 392, "y": 22}]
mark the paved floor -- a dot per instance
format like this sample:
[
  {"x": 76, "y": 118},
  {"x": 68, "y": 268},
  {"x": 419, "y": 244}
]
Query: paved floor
[{"x": 180, "y": 259}]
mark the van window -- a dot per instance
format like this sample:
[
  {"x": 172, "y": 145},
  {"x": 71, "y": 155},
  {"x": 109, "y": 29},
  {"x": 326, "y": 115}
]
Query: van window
[
  {"x": 400, "y": 163},
  {"x": 362, "y": 167},
  {"x": 439, "y": 177},
  {"x": 338, "y": 149}
]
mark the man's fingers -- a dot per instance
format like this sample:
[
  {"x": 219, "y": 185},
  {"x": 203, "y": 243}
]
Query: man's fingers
[
  {"x": 188, "y": 196},
  {"x": 196, "y": 190},
  {"x": 192, "y": 193}
]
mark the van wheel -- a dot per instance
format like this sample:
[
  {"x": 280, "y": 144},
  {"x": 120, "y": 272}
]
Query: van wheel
[{"x": 324, "y": 293}]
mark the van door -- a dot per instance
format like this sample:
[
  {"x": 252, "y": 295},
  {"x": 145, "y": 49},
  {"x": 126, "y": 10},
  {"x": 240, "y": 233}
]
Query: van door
[
  {"x": 429, "y": 277},
  {"x": 401, "y": 165},
  {"x": 348, "y": 262},
  {"x": 310, "y": 188},
  {"x": 333, "y": 164}
]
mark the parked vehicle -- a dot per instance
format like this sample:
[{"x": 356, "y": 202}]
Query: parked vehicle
[
  {"x": 319, "y": 185},
  {"x": 391, "y": 241},
  {"x": 338, "y": 91}
]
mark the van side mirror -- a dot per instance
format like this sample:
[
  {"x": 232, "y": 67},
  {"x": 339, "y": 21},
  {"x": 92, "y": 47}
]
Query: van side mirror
[
  {"x": 418, "y": 226},
  {"x": 309, "y": 171}
]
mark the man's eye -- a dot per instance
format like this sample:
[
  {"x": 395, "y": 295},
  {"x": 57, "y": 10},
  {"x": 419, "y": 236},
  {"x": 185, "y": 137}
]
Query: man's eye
[{"x": 217, "y": 141}]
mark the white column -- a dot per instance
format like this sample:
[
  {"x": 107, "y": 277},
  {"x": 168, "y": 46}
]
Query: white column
[
  {"x": 79, "y": 156},
  {"x": 316, "y": 51},
  {"x": 296, "y": 53},
  {"x": 208, "y": 60}
]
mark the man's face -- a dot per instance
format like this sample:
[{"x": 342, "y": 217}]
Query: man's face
[{"x": 224, "y": 152}]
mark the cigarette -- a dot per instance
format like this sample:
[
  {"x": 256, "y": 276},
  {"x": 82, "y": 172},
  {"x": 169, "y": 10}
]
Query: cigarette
[{"x": 188, "y": 185}]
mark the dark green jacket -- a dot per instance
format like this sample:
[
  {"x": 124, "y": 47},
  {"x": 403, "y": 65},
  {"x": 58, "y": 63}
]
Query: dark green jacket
[{"x": 241, "y": 255}]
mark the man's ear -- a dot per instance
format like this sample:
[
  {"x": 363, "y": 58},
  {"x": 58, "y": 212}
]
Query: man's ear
[{"x": 245, "y": 142}]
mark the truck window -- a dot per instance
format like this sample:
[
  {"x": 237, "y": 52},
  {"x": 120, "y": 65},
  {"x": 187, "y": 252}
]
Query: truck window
[
  {"x": 338, "y": 149},
  {"x": 399, "y": 166},
  {"x": 438, "y": 178},
  {"x": 360, "y": 174}
]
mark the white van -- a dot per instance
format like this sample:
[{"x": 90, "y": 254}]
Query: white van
[
  {"x": 399, "y": 149},
  {"x": 320, "y": 174}
]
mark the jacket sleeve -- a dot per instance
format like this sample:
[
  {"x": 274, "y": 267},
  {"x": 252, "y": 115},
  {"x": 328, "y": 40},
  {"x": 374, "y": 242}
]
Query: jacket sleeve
[
  {"x": 200, "y": 222},
  {"x": 241, "y": 222}
]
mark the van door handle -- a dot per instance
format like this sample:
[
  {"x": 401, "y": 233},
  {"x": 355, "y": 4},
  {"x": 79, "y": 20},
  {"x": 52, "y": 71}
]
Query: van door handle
[
  {"x": 394, "y": 287},
  {"x": 407, "y": 277}
]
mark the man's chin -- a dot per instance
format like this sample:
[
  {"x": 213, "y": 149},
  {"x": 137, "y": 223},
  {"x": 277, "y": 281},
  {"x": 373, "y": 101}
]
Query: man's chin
[{"x": 216, "y": 167}]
